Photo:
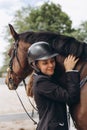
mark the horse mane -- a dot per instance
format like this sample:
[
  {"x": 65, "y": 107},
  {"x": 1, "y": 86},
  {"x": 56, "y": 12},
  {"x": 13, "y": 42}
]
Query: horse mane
[{"x": 64, "y": 45}]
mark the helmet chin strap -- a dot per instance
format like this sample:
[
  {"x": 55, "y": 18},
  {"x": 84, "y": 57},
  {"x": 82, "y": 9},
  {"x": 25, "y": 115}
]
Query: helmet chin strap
[{"x": 33, "y": 65}]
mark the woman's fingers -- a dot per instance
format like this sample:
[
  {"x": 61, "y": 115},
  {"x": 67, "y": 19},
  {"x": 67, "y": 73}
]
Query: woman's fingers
[{"x": 70, "y": 62}]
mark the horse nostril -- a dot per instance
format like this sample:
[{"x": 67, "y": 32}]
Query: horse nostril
[{"x": 11, "y": 80}]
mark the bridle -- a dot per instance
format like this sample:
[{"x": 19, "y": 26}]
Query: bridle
[{"x": 14, "y": 54}]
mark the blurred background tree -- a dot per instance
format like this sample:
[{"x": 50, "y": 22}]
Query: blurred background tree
[
  {"x": 81, "y": 32},
  {"x": 48, "y": 17}
]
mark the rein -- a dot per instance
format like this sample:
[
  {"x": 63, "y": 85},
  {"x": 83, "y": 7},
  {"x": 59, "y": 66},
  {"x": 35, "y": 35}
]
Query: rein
[
  {"x": 14, "y": 54},
  {"x": 24, "y": 106},
  {"x": 83, "y": 81},
  {"x": 28, "y": 97},
  {"x": 25, "y": 109}
]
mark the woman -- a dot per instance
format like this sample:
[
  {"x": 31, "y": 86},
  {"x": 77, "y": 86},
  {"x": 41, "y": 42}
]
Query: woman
[{"x": 50, "y": 97}]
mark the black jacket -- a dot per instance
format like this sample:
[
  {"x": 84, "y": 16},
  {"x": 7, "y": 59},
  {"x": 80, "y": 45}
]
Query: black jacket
[{"x": 51, "y": 100}]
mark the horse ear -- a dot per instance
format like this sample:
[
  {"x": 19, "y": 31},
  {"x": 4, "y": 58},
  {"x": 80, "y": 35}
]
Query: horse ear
[{"x": 13, "y": 32}]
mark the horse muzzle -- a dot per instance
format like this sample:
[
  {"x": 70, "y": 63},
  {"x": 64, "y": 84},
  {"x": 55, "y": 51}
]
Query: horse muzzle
[
  {"x": 10, "y": 83},
  {"x": 12, "y": 79}
]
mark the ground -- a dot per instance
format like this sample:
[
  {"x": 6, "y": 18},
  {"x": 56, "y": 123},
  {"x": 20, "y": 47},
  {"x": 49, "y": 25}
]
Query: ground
[{"x": 12, "y": 114}]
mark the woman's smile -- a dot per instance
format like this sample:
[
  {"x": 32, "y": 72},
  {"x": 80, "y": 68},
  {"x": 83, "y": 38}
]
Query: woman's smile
[{"x": 47, "y": 66}]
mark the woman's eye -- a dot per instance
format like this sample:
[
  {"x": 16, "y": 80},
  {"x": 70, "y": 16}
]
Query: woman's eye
[
  {"x": 52, "y": 61},
  {"x": 44, "y": 63}
]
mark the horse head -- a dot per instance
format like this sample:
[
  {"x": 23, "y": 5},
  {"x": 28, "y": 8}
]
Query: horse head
[
  {"x": 19, "y": 68},
  {"x": 18, "y": 65}
]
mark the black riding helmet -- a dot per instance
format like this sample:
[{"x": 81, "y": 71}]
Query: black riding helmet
[{"x": 40, "y": 51}]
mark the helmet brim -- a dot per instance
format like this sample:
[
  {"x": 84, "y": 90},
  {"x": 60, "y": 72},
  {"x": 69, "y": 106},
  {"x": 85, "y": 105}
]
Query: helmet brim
[{"x": 48, "y": 57}]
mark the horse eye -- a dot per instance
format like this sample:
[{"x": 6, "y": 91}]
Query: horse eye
[
  {"x": 10, "y": 80},
  {"x": 10, "y": 50}
]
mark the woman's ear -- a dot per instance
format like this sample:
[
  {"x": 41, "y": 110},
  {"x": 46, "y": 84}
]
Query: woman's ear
[{"x": 35, "y": 66}]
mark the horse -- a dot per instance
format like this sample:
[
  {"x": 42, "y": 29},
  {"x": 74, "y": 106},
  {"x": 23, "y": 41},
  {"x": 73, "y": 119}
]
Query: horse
[{"x": 19, "y": 68}]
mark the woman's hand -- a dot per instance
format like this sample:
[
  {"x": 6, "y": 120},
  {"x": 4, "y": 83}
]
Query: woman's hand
[{"x": 70, "y": 62}]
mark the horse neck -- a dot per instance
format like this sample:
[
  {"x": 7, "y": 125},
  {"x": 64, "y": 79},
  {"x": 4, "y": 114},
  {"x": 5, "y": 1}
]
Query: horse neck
[{"x": 81, "y": 66}]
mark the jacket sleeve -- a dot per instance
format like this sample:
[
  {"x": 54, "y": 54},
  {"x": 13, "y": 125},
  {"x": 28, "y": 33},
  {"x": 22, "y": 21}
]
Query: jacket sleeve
[{"x": 70, "y": 94}]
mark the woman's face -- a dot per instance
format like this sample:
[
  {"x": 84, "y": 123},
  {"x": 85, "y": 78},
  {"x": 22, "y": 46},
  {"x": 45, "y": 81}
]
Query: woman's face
[{"x": 47, "y": 66}]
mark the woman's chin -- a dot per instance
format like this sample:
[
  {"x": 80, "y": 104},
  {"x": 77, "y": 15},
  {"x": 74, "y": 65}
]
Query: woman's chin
[{"x": 51, "y": 73}]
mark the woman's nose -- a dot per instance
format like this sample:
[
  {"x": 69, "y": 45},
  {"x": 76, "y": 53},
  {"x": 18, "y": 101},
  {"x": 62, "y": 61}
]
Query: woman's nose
[{"x": 51, "y": 64}]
